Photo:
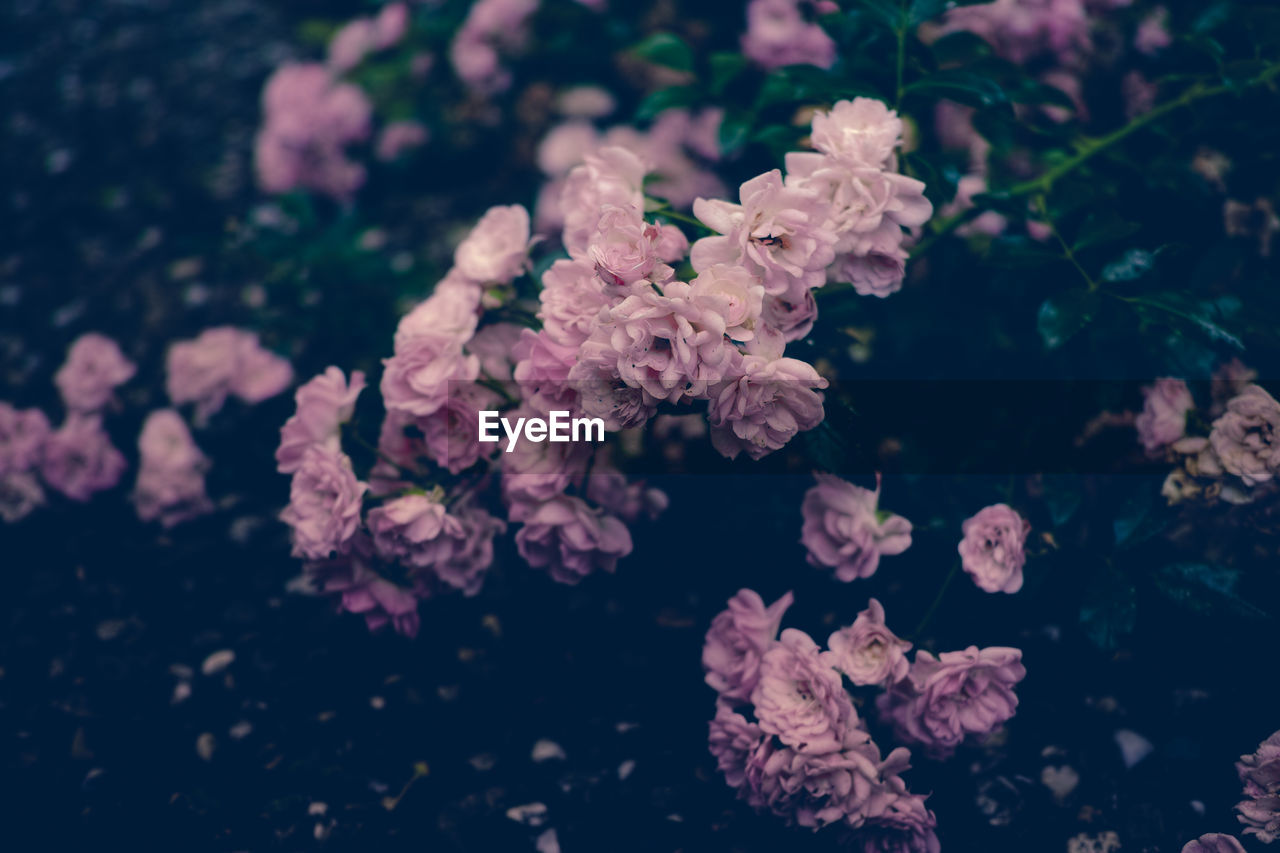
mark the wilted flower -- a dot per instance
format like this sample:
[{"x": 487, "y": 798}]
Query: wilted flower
[
  {"x": 1247, "y": 437},
  {"x": 844, "y": 528},
  {"x": 993, "y": 548},
  {"x": 1260, "y": 773}
]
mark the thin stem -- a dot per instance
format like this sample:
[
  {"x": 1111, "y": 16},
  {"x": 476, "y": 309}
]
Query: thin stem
[
  {"x": 1042, "y": 208},
  {"x": 924, "y": 622},
  {"x": 683, "y": 217}
]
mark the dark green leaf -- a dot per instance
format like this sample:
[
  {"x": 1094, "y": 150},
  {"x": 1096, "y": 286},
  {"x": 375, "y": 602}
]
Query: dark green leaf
[
  {"x": 725, "y": 68},
  {"x": 1133, "y": 265},
  {"x": 1110, "y": 610},
  {"x": 1017, "y": 251},
  {"x": 1108, "y": 227},
  {"x": 1140, "y": 517},
  {"x": 666, "y": 50},
  {"x": 1207, "y": 317},
  {"x": 1062, "y": 316},
  {"x": 665, "y": 99},
  {"x": 1205, "y": 588},
  {"x": 734, "y": 129},
  {"x": 964, "y": 87},
  {"x": 884, "y": 11}
]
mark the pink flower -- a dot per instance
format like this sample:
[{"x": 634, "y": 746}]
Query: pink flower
[
  {"x": 1213, "y": 842},
  {"x": 497, "y": 249},
  {"x": 398, "y": 137},
  {"x": 570, "y": 302},
  {"x": 861, "y": 132},
  {"x": 93, "y": 369},
  {"x": 737, "y": 640},
  {"x": 362, "y": 590},
  {"x": 20, "y": 495},
  {"x": 799, "y": 697},
  {"x": 171, "y": 469},
  {"x": 610, "y": 490},
  {"x": 223, "y": 361},
  {"x": 1163, "y": 419},
  {"x": 624, "y": 248},
  {"x": 1260, "y": 773},
  {"x": 429, "y": 359},
  {"x": 874, "y": 274},
  {"x": 78, "y": 458},
  {"x": 733, "y": 295},
  {"x": 324, "y": 503},
  {"x": 323, "y": 404},
  {"x": 1247, "y": 437},
  {"x": 953, "y": 696},
  {"x": 565, "y": 146},
  {"x": 451, "y": 434},
  {"x": 489, "y": 25},
  {"x": 765, "y": 407},
  {"x": 351, "y": 43},
  {"x": 570, "y": 540},
  {"x": 1153, "y": 33},
  {"x": 464, "y": 565},
  {"x": 542, "y": 372},
  {"x": 611, "y": 176},
  {"x": 779, "y": 233},
  {"x": 732, "y": 741},
  {"x": 492, "y": 345},
  {"x": 791, "y": 315},
  {"x": 904, "y": 826},
  {"x": 415, "y": 530},
  {"x": 867, "y": 651},
  {"x": 1020, "y": 30},
  {"x": 778, "y": 34},
  {"x": 391, "y": 24},
  {"x": 993, "y": 548},
  {"x": 536, "y": 472},
  {"x": 845, "y": 529},
  {"x": 22, "y": 436}
]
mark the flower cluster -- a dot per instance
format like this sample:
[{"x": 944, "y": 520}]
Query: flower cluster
[
  {"x": 786, "y": 733},
  {"x": 1260, "y": 773},
  {"x": 78, "y": 458},
  {"x": 1237, "y": 461}
]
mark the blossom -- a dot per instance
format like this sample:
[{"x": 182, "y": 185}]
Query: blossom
[
  {"x": 867, "y": 651},
  {"x": 993, "y": 548},
  {"x": 22, "y": 436},
  {"x": 450, "y": 433},
  {"x": 905, "y": 826},
  {"x": 324, "y": 403},
  {"x": 20, "y": 494},
  {"x": 732, "y": 740},
  {"x": 497, "y": 249},
  {"x": 861, "y": 132},
  {"x": 490, "y": 25},
  {"x": 570, "y": 302},
  {"x": 778, "y": 34},
  {"x": 1213, "y": 842},
  {"x": 815, "y": 789},
  {"x": 763, "y": 408},
  {"x": 414, "y": 529},
  {"x": 429, "y": 354},
  {"x": 624, "y": 248},
  {"x": 171, "y": 470},
  {"x": 542, "y": 371},
  {"x": 613, "y": 176},
  {"x": 799, "y": 697},
  {"x": 790, "y": 315},
  {"x": 93, "y": 369},
  {"x": 1260, "y": 773},
  {"x": 535, "y": 472},
  {"x": 1022, "y": 29},
  {"x": 732, "y": 294},
  {"x": 78, "y": 458},
  {"x": 738, "y": 639},
  {"x": 779, "y": 233},
  {"x": 609, "y": 489},
  {"x": 1247, "y": 437},
  {"x": 845, "y": 530},
  {"x": 324, "y": 503},
  {"x": 1163, "y": 419},
  {"x": 877, "y": 273},
  {"x": 954, "y": 695},
  {"x": 310, "y": 119},
  {"x": 571, "y": 540},
  {"x": 464, "y": 564},
  {"x": 221, "y": 362},
  {"x": 360, "y": 589},
  {"x": 397, "y": 137}
]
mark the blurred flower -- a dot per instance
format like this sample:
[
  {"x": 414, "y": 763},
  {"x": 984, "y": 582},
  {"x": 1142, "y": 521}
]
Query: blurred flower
[
  {"x": 324, "y": 503},
  {"x": 78, "y": 458},
  {"x": 171, "y": 470},
  {"x": 1260, "y": 773},
  {"x": 93, "y": 369},
  {"x": 1213, "y": 842},
  {"x": 22, "y": 436},
  {"x": 778, "y": 34},
  {"x": 223, "y": 361},
  {"x": 1163, "y": 419},
  {"x": 398, "y": 137}
]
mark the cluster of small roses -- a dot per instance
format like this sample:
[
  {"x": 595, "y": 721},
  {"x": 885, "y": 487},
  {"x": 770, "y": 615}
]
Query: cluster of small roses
[
  {"x": 787, "y": 735},
  {"x": 311, "y": 116},
  {"x": 1234, "y": 457},
  {"x": 1260, "y": 773},
  {"x": 845, "y": 530},
  {"x": 78, "y": 459}
]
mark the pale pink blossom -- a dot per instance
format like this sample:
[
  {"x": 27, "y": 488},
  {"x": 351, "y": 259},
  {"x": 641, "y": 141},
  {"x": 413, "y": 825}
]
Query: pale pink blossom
[
  {"x": 737, "y": 640},
  {"x": 861, "y": 132},
  {"x": 171, "y": 471},
  {"x": 1247, "y": 437},
  {"x": 993, "y": 549},
  {"x": 93, "y": 369},
  {"x": 734, "y": 295},
  {"x": 867, "y": 651},
  {"x": 497, "y": 249},
  {"x": 324, "y": 504},
  {"x": 765, "y": 407},
  {"x": 845, "y": 529},
  {"x": 571, "y": 540},
  {"x": 324, "y": 404},
  {"x": 78, "y": 459},
  {"x": 1163, "y": 419},
  {"x": 778, "y": 34}
]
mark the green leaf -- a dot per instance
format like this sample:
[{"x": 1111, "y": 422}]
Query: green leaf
[
  {"x": 961, "y": 46},
  {"x": 734, "y": 129},
  {"x": 725, "y": 68},
  {"x": 666, "y": 50},
  {"x": 1108, "y": 227},
  {"x": 1139, "y": 518},
  {"x": 1110, "y": 610},
  {"x": 1205, "y": 316},
  {"x": 1133, "y": 265},
  {"x": 1063, "y": 497},
  {"x": 665, "y": 99},
  {"x": 1204, "y": 588},
  {"x": 884, "y": 11},
  {"x": 1064, "y": 315},
  {"x": 1018, "y": 251},
  {"x": 964, "y": 87}
]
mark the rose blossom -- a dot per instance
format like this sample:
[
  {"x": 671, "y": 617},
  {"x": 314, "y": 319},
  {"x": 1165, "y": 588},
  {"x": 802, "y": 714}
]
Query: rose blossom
[
  {"x": 79, "y": 459},
  {"x": 570, "y": 302},
  {"x": 20, "y": 494},
  {"x": 360, "y": 589},
  {"x": 223, "y": 361},
  {"x": 736, "y": 641},
  {"x": 814, "y": 789},
  {"x": 324, "y": 503},
  {"x": 450, "y": 433},
  {"x": 844, "y": 528},
  {"x": 734, "y": 295},
  {"x": 492, "y": 345},
  {"x": 1213, "y": 842},
  {"x": 464, "y": 564},
  {"x": 398, "y": 137},
  {"x": 993, "y": 548},
  {"x": 22, "y": 435},
  {"x": 732, "y": 740},
  {"x": 954, "y": 695},
  {"x": 799, "y": 697},
  {"x": 427, "y": 361},
  {"x": 324, "y": 403},
  {"x": 571, "y": 540},
  {"x": 93, "y": 369},
  {"x": 1260, "y": 773},
  {"x": 764, "y": 408},
  {"x": 623, "y": 248},
  {"x": 415, "y": 530},
  {"x": 778, "y": 34},
  {"x": 1247, "y": 437},
  {"x": 1163, "y": 419},
  {"x": 861, "y": 132},
  {"x": 497, "y": 249},
  {"x": 779, "y": 233},
  {"x": 791, "y": 315},
  {"x": 867, "y": 651},
  {"x": 171, "y": 471},
  {"x": 877, "y": 273},
  {"x": 906, "y": 826},
  {"x": 610, "y": 176},
  {"x": 542, "y": 372}
]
